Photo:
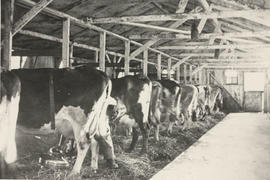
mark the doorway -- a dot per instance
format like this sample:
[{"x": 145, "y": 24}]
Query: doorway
[{"x": 254, "y": 83}]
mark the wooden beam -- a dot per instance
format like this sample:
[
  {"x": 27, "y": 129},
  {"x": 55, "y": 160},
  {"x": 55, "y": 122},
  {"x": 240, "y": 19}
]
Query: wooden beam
[
  {"x": 244, "y": 34},
  {"x": 145, "y": 60},
  {"x": 198, "y": 69},
  {"x": 127, "y": 52},
  {"x": 181, "y": 61},
  {"x": 159, "y": 66},
  {"x": 153, "y": 41},
  {"x": 142, "y": 48},
  {"x": 169, "y": 68},
  {"x": 102, "y": 52},
  {"x": 149, "y": 26},
  {"x": 65, "y": 43},
  {"x": 30, "y": 15},
  {"x": 8, "y": 20},
  {"x": 181, "y": 6},
  {"x": 232, "y": 46},
  {"x": 180, "y": 16},
  {"x": 82, "y": 23},
  {"x": 203, "y": 20},
  {"x": 160, "y": 7},
  {"x": 208, "y": 8}
]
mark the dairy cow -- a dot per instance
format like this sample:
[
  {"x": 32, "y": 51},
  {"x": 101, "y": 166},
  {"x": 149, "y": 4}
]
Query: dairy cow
[
  {"x": 132, "y": 96},
  {"x": 215, "y": 100},
  {"x": 9, "y": 102},
  {"x": 188, "y": 104},
  {"x": 81, "y": 96},
  {"x": 170, "y": 104},
  {"x": 203, "y": 99}
]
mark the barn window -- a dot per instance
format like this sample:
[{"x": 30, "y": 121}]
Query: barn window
[{"x": 231, "y": 77}]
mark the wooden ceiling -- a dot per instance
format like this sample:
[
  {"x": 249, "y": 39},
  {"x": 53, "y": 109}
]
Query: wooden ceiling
[{"x": 238, "y": 29}]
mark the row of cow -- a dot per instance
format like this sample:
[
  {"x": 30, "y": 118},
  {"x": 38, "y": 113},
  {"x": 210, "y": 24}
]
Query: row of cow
[{"x": 87, "y": 102}]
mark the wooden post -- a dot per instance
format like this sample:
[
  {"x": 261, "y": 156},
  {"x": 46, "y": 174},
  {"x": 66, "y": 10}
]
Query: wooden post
[
  {"x": 178, "y": 74},
  {"x": 207, "y": 76},
  {"x": 52, "y": 103},
  {"x": 159, "y": 66},
  {"x": 65, "y": 44},
  {"x": 169, "y": 68},
  {"x": 96, "y": 60},
  {"x": 114, "y": 69},
  {"x": 0, "y": 35},
  {"x": 102, "y": 53},
  {"x": 8, "y": 20},
  {"x": 185, "y": 73},
  {"x": 127, "y": 52},
  {"x": 145, "y": 62},
  {"x": 190, "y": 74},
  {"x": 70, "y": 55}
]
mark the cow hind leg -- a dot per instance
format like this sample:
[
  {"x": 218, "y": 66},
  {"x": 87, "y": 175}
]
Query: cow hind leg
[
  {"x": 94, "y": 155},
  {"x": 135, "y": 137},
  {"x": 157, "y": 132},
  {"x": 145, "y": 134},
  {"x": 82, "y": 149}
]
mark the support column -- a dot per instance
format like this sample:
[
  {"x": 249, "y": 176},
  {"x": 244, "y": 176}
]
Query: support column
[
  {"x": 145, "y": 62},
  {"x": 127, "y": 53},
  {"x": 8, "y": 21},
  {"x": 190, "y": 74},
  {"x": 96, "y": 57},
  {"x": 65, "y": 43},
  {"x": 159, "y": 67},
  {"x": 70, "y": 55},
  {"x": 197, "y": 77},
  {"x": 185, "y": 73},
  {"x": 0, "y": 35},
  {"x": 169, "y": 68},
  {"x": 207, "y": 76},
  {"x": 102, "y": 53},
  {"x": 178, "y": 74}
]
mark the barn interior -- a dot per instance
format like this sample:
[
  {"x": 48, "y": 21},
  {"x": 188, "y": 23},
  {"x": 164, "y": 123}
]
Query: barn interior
[{"x": 222, "y": 42}]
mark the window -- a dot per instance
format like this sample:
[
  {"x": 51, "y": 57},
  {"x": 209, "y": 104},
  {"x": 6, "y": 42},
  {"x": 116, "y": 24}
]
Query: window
[{"x": 231, "y": 77}]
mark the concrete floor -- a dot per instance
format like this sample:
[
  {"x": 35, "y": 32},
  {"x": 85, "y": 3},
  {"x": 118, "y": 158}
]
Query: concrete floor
[{"x": 238, "y": 148}]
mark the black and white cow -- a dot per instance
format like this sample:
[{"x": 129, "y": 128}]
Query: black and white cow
[
  {"x": 81, "y": 96},
  {"x": 170, "y": 108},
  {"x": 188, "y": 104},
  {"x": 132, "y": 95},
  {"x": 9, "y": 103}
]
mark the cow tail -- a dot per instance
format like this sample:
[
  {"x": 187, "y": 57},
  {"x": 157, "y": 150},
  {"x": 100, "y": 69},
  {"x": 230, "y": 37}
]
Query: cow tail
[
  {"x": 178, "y": 97},
  {"x": 98, "y": 112}
]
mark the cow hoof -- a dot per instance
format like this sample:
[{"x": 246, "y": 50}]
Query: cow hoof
[
  {"x": 143, "y": 152},
  {"x": 112, "y": 164},
  {"x": 129, "y": 150},
  {"x": 94, "y": 171}
]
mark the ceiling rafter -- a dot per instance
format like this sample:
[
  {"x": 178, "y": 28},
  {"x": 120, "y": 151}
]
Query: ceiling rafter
[{"x": 179, "y": 16}]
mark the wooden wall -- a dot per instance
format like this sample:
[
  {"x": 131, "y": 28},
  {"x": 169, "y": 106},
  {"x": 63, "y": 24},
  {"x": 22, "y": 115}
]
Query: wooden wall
[{"x": 237, "y": 90}]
